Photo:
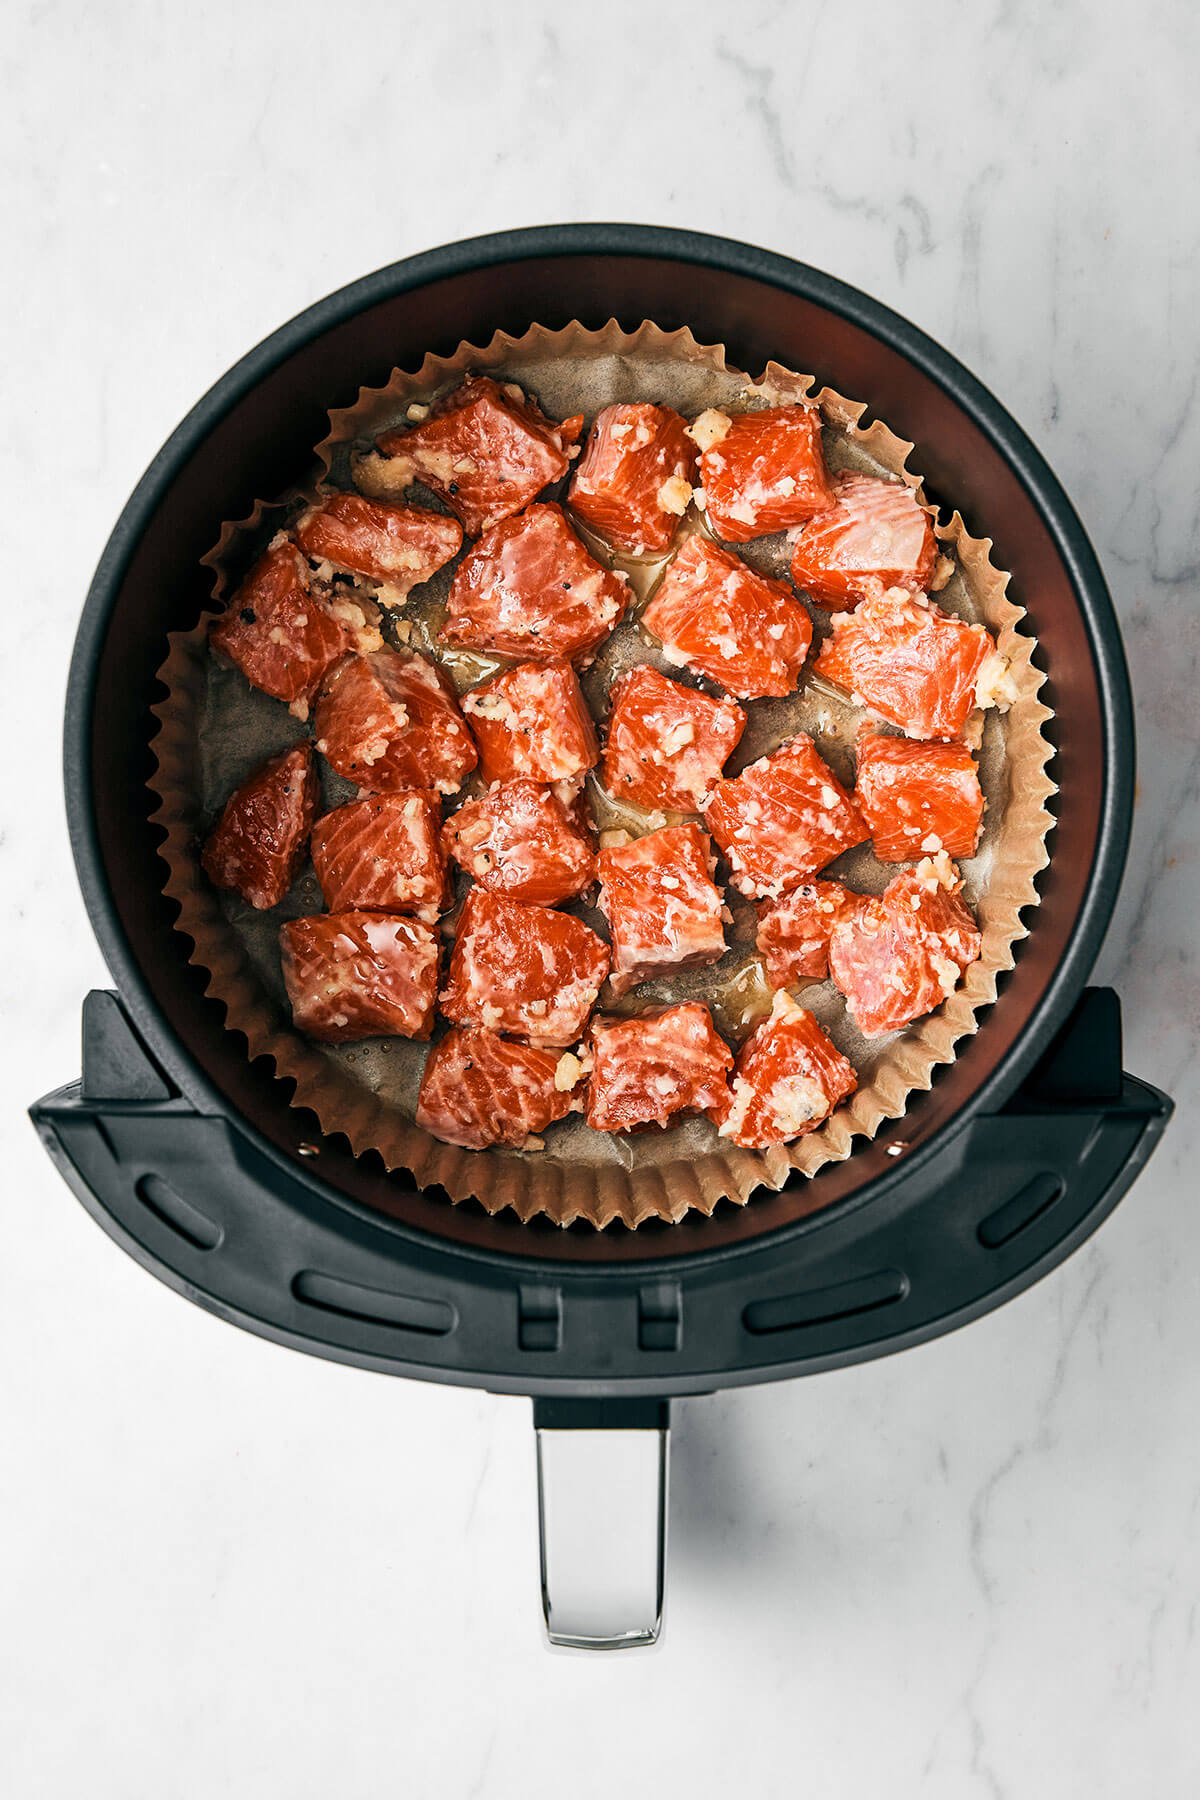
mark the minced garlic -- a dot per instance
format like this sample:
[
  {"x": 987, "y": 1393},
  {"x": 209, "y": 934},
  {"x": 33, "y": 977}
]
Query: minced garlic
[
  {"x": 674, "y": 494},
  {"x": 709, "y": 429}
]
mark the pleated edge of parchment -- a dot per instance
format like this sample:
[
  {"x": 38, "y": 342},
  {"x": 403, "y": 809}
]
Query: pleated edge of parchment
[{"x": 535, "y": 1183}]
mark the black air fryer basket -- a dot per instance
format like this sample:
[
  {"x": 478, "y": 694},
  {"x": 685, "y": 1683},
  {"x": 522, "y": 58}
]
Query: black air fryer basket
[{"x": 191, "y": 1158}]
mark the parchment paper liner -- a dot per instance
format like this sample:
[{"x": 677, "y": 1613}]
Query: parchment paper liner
[{"x": 651, "y": 1175}]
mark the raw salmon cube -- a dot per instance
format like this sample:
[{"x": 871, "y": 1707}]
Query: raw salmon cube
[
  {"x": 793, "y": 933},
  {"x": 789, "y": 1078},
  {"x": 523, "y": 969},
  {"x": 257, "y": 844},
  {"x": 486, "y": 450},
  {"x": 383, "y": 853},
  {"x": 663, "y": 908},
  {"x": 529, "y": 588},
  {"x": 783, "y": 819},
  {"x": 908, "y": 660},
  {"x": 635, "y": 478},
  {"x": 876, "y": 535},
  {"x": 532, "y": 721},
  {"x": 745, "y": 632},
  {"x": 667, "y": 743},
  {"x": 520, "y": 841},
  {"x": 648, "y": 1070},
  {"x": 397, "y": 547},
  {"x": 481, "y": 1089},
  {"x": 763, "y": 471},
  {"x": 355, "y": 974},
  {"x": 283, "y": 631},
  {"x": 901, "y": 955},
  {"x": 918, "y": 798},
  {"x": 391, "y": 722}
]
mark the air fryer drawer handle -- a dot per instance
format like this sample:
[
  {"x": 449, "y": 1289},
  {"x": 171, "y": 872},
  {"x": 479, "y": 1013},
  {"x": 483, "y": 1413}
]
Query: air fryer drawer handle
[{"x": 602, "y": 1520}]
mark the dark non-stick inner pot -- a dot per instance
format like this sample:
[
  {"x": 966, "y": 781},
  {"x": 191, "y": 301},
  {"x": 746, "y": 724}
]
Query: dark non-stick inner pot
[{"x": 252, "y": 436}]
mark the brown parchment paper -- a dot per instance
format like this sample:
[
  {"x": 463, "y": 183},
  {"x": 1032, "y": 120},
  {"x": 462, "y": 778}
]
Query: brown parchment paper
[{"x": 213, "y": 729}]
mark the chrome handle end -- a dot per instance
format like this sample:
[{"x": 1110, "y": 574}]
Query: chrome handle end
[{"x": 602, "y": 1520}]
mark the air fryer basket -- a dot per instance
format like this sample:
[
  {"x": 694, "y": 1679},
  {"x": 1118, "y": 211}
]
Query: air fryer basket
[{"x": 191, "y": 1157}]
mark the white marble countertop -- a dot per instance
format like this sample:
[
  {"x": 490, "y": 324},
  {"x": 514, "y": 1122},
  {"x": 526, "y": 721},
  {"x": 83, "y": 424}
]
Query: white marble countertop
[{"x": 970, "y": 1570}]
